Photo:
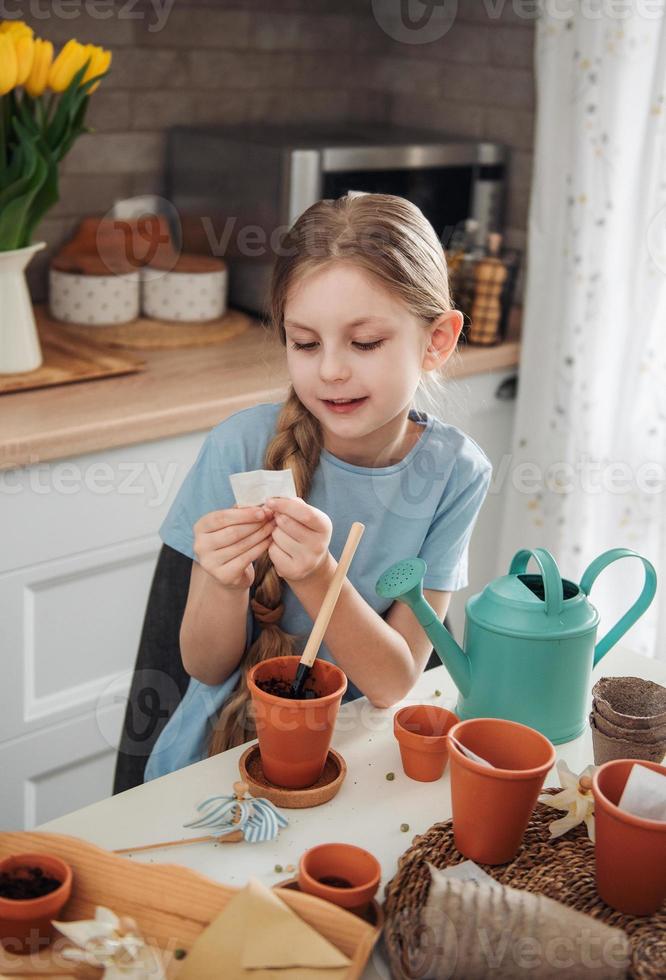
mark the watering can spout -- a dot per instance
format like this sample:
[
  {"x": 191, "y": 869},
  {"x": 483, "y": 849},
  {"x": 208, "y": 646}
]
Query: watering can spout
[
  {"x": 404, "y": 581},
  {"x": 452, "y": 656}
]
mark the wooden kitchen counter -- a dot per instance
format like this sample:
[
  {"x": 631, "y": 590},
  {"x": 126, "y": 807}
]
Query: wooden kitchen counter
[{"x": 179, "y": 391}]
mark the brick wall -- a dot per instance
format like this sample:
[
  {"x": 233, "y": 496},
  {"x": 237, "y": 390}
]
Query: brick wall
[{"x": 229, "y": 61}]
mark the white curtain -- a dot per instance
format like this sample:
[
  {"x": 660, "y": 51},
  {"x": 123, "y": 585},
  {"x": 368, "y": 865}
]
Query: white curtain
[{"x": 588, "y": 466}]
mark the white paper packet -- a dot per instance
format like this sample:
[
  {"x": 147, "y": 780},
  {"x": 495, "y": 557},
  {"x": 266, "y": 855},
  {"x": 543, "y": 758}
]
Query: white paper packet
[
  {"x": 465, "y": 871},
  {"x": 471, "y": 755},
  {"x": 644, "y": 794},
  {"x": 254, "y": 488}
]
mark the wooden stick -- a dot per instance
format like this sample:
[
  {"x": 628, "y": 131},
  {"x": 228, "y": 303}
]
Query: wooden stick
[
  {"x": 332, "y": 593},
  {"x": 230, "y": 838}
]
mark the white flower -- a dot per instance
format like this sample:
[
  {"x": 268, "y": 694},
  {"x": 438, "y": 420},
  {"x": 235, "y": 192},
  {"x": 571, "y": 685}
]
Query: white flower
[
  {"x": 113, "y": 945},
  {"x": 575, "y": 797}
]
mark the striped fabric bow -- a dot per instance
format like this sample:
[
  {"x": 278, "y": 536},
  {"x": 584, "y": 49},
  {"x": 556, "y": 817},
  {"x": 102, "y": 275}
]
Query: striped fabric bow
[{"x": 258, "y": 819}]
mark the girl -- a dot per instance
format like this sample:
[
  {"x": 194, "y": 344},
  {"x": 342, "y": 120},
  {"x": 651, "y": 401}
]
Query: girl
[{"x": 360, "y": 299}]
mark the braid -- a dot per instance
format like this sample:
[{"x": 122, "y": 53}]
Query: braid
[{"x": 296, "y": 445}]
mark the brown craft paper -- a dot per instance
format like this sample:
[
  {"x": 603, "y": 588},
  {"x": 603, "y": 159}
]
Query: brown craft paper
[
  {"x": 257, "y": 936},
  {"x": 477, "y": 930}
]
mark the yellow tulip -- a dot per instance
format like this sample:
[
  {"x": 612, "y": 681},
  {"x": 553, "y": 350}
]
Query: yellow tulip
[
  {"x": 100, "y": 59},
  {"x": 24, "y": 46},
  {"x": 38, "y": 77},
  {"x": 8, "y": 64},
  {"x": 68, "y": 62},
  {"x": 16, "y": 27}
]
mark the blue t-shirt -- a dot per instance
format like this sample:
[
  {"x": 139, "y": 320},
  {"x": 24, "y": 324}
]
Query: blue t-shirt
[{"x": 424, "y": 505}]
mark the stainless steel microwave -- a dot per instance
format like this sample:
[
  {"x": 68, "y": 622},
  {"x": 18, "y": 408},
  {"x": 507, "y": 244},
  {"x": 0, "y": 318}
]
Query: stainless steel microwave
[{"x": 238, "y": 188}]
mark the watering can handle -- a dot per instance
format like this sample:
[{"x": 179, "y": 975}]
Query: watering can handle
[
  {"x": 638, "y": 608},
  {"x": 552, "y": 580}
]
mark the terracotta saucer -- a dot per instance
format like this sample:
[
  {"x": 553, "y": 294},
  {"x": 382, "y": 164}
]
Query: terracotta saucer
[
  {"x": 373, "y": 913},
  {"x": 320, "y": 792}
]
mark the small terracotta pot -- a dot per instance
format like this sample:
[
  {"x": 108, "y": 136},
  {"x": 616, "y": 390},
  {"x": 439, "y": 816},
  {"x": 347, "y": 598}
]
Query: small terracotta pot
[
  {"x": 25, "y": 924},
  {"x": 360, "y": 868},
  {"x": 421, "y": 733},
  {"x": 630, "y": 851},
  {"x": 630, "y": 702},
  {"x": 606, "y": 749},
  {"x": 492, "y": 807},
  {"x": 295, "y": 736}
]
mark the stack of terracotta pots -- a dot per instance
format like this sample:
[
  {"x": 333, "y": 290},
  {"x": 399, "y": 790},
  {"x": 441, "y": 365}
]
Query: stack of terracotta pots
[
  {"x": 628, "y": 719},
  {"x": 112, "y": 270}
]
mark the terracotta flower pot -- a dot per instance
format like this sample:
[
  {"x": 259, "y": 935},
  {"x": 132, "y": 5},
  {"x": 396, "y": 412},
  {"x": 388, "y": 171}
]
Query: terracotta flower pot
[
  {"x": 421, "y": 733},
  {"x": 25, "y": 924},
  {"x": 295, "y": 736},
  {"x": 630, "y": 852},
  {"x": 345, "y": 862},
  {"x": 492, "y": 807}
]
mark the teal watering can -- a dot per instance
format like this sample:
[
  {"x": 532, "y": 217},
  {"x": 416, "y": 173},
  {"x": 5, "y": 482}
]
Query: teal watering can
[{"x": 530, "y": 640}]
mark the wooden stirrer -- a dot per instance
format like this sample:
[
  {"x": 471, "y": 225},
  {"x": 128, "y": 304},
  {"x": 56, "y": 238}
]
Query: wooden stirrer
[
  {"x": 231, "y": 836},
  {"x": 326, "y": 610}
]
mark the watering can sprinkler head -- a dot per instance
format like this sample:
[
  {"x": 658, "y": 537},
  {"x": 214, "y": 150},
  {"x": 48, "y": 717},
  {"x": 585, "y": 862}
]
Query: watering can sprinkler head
[{"x": 403, "y": 581}]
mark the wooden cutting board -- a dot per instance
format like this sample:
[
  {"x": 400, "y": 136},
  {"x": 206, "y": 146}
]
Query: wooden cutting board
[
  {"x": 171, "y": 904},
  {"x": 148, "y": 334},
  {"x": 68, "y": 358}
]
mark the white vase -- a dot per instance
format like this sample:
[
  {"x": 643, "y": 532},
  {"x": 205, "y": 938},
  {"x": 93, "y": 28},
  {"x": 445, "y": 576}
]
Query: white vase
[{"x": 19, "y": 341}]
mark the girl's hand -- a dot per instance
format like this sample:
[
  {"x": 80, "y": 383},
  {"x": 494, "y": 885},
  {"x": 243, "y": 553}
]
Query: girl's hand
[
  {"x": 300, "y": 539},
  {"x": 226, "y": 542}
]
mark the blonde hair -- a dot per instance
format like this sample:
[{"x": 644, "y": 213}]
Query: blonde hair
[{"x": 390, "y": 238}]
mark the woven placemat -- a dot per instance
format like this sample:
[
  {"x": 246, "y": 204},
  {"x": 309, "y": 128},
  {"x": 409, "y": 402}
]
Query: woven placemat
[{"x": 562, "y": 869}]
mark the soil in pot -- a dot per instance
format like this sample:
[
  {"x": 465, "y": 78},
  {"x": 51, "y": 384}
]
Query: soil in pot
[
  {"x": 26, "y": 882},
  {"x": 281, "y": 688},
  {"x": 334, "y": 882}
]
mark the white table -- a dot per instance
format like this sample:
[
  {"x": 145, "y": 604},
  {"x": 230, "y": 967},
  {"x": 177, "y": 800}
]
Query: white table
[{"x": 368, "y": 810}]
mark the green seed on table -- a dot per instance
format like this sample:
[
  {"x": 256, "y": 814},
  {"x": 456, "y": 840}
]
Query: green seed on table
[
  {"x": 438, "y": 694},
  {"x": 278, "y": 868},
  {"x": 404, "y": 827},
  {"x": 390, "y": 776}
]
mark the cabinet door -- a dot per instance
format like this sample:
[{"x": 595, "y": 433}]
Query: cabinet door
[
  {"x": 59, "y": 768},
  {"x": 483, "y": 406},
  {"x": 79, "y": 544}
]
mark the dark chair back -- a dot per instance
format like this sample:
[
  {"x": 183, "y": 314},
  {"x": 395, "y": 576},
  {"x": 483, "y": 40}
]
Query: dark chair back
[{"x": 159, "y": 680}]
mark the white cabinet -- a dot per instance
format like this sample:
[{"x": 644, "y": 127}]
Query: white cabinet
[
  {"x": 78, "y": 543},
  {"x": 483, "y": 406}
]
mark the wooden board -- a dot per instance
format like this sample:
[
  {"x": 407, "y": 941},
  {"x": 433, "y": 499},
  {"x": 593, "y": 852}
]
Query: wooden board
[
  {"x": 68, "y": 359},
  {"x": 147, "y": 334},
  {"x": 171, "y": 904}
]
